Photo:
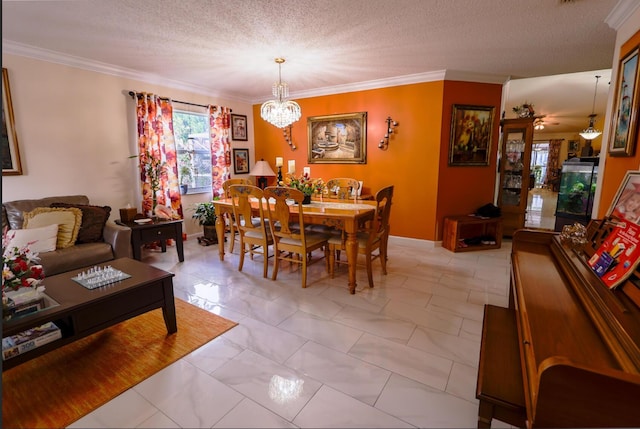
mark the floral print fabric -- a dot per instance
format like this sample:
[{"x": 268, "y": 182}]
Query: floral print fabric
[
  {"x": 220, "y": 124},
  {"x": 157, "y": 154}
]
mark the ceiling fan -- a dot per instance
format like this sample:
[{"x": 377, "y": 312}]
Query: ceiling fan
[{"x": 539, "y": 123}]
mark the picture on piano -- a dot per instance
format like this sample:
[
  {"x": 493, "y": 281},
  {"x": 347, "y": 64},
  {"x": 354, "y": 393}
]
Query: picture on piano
[
  {"x": 618, "y": 255},
  {"x": 626, "y": 203}
]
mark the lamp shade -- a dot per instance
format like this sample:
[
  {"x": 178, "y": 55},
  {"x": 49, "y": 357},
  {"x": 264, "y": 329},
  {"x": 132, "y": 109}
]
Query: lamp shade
[{"x": 262, "y": 169}]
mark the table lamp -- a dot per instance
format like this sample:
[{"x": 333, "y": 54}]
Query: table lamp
[{"x": 262, "y": 170}]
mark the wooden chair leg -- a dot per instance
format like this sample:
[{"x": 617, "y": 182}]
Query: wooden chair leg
[
  {"x": 242, "y": 251},
  {"x": 276, "y": 264},
  {"x": 304, "y": 270},
  {"x": 332, "y": 260},
  {"x": 266, "y": 260},
  {"x": 369, "y": 269}
]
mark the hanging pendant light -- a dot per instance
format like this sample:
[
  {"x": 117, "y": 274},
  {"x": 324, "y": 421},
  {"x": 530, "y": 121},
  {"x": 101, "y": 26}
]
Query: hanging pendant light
[
  {"x": 280, "y": 111},
  {"x": 590, "y": 132}
]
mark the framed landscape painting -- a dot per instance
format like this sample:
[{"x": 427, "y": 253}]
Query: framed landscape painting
[
  {"x": 471, "y": 128},
  {"x": 11, "y": 165},
  {"x": 337, "y": 139},
  {"x": 623, "y": 133}
]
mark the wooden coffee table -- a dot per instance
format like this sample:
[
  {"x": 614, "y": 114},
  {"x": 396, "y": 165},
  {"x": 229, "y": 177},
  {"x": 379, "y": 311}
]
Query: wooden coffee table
[{"x": 79, "y": 311}]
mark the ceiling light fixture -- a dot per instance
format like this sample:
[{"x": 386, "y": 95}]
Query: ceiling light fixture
[
  {"x": 280, "y": 111},
  {"x": 590, "y": 132},
  {"x": 538, "y": 124}
]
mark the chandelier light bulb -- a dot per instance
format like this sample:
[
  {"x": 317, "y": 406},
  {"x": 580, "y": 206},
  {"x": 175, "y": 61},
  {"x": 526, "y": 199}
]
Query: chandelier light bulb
[{"x": 280, "y": 111}]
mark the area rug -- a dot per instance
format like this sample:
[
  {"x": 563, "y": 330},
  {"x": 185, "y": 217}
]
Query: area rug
[{"x": 58, "y": 388}]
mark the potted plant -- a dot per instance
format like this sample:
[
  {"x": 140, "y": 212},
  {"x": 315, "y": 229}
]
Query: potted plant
[{"x": 205, "y": 214}]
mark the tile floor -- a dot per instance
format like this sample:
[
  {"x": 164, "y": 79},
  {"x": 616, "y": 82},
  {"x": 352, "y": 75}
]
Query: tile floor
[
  {"x": 541, "y": 209},
  {"x": 403, "y": 354}
]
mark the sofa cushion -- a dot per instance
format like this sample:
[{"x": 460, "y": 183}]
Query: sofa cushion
[
  {"x": 67, "y": 219},
  {"x": 94, "y": 219},
  {"x": 75, "y": 257},
  {"x": 13, "y": 211},
  {"x": 41, "y": 239}
]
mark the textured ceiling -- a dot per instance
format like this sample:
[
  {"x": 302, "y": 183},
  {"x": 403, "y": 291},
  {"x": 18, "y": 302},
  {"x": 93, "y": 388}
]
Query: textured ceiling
[{"x": 227, "y": 48}]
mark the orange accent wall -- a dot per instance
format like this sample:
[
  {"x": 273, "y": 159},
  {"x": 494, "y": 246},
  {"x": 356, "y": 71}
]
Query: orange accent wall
[
  {"x": 413, "y": 162},
  {"x": 616, "y": 167}
]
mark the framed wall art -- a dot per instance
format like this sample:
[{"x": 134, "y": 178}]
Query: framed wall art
[
  {"x": 471, "y": 128},
  {"x": 626, "y": 204},
  {"x": 623, "y": 132},
  {"x": 11, "y": 165},
  {"x": 337, "y": 139},
  {"x": 239, "y": 127},
  {"x": 241, "y": 161}
]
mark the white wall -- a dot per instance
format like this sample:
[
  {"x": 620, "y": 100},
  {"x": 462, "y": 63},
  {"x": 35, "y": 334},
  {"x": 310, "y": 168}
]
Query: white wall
[{"x": 76, "y": 130}]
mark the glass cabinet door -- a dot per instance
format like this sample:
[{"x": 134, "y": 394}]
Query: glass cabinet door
[{"x": 512, "y": 179}]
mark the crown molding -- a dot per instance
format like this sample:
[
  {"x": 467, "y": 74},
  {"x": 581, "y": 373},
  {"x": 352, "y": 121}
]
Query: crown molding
[
  {"x": 621, "y": 11},
  {"x": 29, "y": 51},
  {"x": 19, "y": 49}
]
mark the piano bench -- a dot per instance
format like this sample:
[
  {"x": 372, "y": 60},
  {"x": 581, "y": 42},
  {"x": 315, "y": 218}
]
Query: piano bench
[{"x": 500, "y": 389}]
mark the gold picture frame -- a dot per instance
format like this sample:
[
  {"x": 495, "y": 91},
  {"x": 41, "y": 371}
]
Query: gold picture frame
[
  {"x": 624, "y": 124},
  {"x": 337, "y": 139},
  {"x": 11, "y": 165}
]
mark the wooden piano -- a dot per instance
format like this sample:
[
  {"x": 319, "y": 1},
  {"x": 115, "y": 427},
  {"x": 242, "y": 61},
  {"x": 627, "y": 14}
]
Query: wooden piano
[{"x": 566, "y": 353}]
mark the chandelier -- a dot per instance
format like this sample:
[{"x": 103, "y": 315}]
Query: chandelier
[
  {"x": 280, "y": 111},
  {"x": 590, "y": 132}
]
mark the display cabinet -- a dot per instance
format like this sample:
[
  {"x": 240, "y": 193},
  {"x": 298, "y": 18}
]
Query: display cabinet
[
  {"x": 577, "y": 189},
  {"x": 517, "y": 141}
]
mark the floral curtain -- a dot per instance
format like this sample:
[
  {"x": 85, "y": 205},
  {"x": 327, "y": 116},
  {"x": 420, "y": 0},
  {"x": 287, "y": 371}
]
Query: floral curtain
[
  {"x": 157, "y": 154},
  {"x": 219, "y": 124},
  {"x": 553, "y": 160}
]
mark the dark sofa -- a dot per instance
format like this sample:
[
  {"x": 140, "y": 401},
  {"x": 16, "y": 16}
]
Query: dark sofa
[{"x": 115, "y": 241}]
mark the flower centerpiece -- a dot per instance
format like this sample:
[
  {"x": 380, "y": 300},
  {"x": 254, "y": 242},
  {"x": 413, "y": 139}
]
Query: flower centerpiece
[
  {"x": 22, "y": 275},
  {"x": 525, "y": 110},
  {"x": 305, "y": 184}
]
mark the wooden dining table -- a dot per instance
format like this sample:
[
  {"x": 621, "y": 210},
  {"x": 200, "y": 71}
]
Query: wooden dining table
[{"x": 345, "y": 215}]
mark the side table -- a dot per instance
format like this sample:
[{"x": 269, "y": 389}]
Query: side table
[
  {"x": 459, "y": 228},
  {"x": 156, "y": 230}
]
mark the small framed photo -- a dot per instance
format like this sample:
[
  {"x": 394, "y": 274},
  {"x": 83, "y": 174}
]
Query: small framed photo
[
  {"x": 11, "y": 165},
  {"x": 239, "y": 127},
  {"x": 626, "y": 106},
  {"x": 241, "y": 161},
  {"x": 626, "y": 203},
  {"x": 471, "y": 128}
]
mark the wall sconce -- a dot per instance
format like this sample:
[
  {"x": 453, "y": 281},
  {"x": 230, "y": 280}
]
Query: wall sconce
[
  {"x": 391, "y": 124},
  {"x": 287, "y": 137}
]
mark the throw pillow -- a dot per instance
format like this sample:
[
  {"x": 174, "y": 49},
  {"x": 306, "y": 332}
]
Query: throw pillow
[
  {"x": 67, "y": 219},
  {"x": 42, "y": 239},
  {"x": 94, "y": 218}
]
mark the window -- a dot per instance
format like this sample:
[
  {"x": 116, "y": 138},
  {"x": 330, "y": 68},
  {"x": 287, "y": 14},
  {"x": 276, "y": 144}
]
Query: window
[{"x": 191, "y": 132}]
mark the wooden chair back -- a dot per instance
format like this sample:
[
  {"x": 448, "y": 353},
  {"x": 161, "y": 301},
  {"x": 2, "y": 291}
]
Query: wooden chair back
[
  {"x": 252, "y": 228},
  {"x": 342, "y": 187},
  {"x": 288, "y": 230},
  {"x": 229, "y": 182}
]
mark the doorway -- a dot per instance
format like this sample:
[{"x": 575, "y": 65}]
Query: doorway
[{"x": 541, "y": 202}]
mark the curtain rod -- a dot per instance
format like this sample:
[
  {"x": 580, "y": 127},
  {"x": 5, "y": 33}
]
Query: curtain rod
[{"x": 133, "y": 94}]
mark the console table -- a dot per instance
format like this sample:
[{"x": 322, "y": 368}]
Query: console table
[
  {"x": 458, "y": 228},
  {"x": 79, "y": 311},
  {"x": 156, "y": 230}
]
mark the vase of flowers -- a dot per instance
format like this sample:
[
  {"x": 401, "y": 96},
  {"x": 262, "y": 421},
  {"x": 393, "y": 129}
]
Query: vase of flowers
[
  {"x": 304, "y": 184},
  {"x": 22, "y": 276}
]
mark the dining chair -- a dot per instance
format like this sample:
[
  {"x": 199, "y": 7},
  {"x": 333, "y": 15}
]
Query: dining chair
[
  {"x": 230, "y": 220},
  {"x": 373, "y": 236},
  {"x": 252, "y": 229},
  {"x": 288, "y": 240},
  {"x": 342, "y": 187}
]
